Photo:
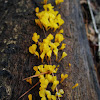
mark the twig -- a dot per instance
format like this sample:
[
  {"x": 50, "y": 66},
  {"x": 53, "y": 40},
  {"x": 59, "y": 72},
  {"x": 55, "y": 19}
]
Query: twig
[
  {"x": 36, "y": 75},
  {"x": 56, "y": 88},
  {"x": 28, "y": 90},
  {"x": 94, "y": 24},
  {"x": 44, "y": 32}
]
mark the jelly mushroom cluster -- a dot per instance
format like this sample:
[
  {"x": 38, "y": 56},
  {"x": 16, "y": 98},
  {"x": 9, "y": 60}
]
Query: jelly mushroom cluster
[
  {"x": 47, "y": 47},
  {"x": 48, "y": 19}
]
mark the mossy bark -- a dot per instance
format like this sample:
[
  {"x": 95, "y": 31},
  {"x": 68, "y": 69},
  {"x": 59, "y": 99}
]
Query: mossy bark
[{"x": 16, "y": 28}]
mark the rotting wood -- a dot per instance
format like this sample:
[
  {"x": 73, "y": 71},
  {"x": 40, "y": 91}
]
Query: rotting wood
[{"x": 16, "y": 28}]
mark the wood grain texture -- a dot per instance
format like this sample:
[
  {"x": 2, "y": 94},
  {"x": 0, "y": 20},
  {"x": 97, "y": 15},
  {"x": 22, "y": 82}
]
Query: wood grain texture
[{"x": 16, "y": 28}]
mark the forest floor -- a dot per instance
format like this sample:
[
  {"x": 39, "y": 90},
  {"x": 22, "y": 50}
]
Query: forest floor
[{"x": 90, "y": 30}]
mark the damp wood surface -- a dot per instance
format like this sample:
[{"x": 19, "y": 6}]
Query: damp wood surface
[{"x": 17, "y": 26}]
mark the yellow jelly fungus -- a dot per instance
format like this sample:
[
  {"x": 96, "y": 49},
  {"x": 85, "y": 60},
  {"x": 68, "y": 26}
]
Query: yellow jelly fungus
[
  {"x": 37, "y": 21},
  {"x": 29, "y": 80},
  {"x": 42, "y": 78},
  {"x": 42, "y": 93},
  {"x": 63, "y": 55},
  {"x": 56, "y": 44},
  {"x": 50, "y": 37},
  {"x": 32, "y": 49},
  {"x": 37, "y": 9},
  {"x": 49, "y": 54},
  {"x": 75, "y": 85},
  {"x": 59, "y": 38},
  {"x": 48, "y": 6},
  {"x": 47, "y": 46},
  {"x": 46, "y": 42},
  {"x": 44, "y": 82},
  {"x": 61, "y": 31},
  {"x": 63, "y": 46},
  {"x": 49, "y": 77},
  {"x": 53, "y": 97},
  {"x": 51, "y": 68},
  {"x": 55, "y": 83},
  {"x": 30, "y": 96},
  {"x": 58, "y": 94},
  {"x": 37, "y": 54},
  {"x": 54, "y": 78},
  {"x": 60, "y": 21},
  {"x": 69, "y": 64},
  {"x": 49, "y": 18},
  {"x": 45, "y": 1},
  {"x": 37, "y": 72},
  {"x": 35, "y": 68},
  {"x": 35, "y": 37},
  {"x": 41, "y": 69},
  {"x": 58, "y": 1},
  {"x": 56, "y": 53},
  {"x": 43, "y": 98},
  {"x": 57, "y": 66},
  {"x": 53, "y": 46},
  {"x": 42, "y": 56},
  {"x": 63, "y": 77},
  {"x": 48, "y": 93},
  {"x": 61, "y": 91}
]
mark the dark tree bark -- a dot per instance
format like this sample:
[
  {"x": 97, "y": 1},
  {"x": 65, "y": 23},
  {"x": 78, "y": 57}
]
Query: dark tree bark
[{"x": 16, "y": 28}]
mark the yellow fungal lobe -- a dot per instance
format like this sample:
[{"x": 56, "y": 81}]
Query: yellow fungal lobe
[
  {"x": 63, "y": 46},
  {"x": 35, "y": 68},
  {"x": 63, "y": 55},
  {"x": 42, "y": 92},
  {"x": 32, "y": 49},
  {"x": 55, "y": 83},
  {"x": 49, "y": 54},
  {"x": 59, "y": 38},
  {"x": 58, "y": 1},
  {"x": 35, "y": 37},
  {"x": 49, "y": 18},
  {"x": 61, "y": 91},
  {"x": 30, "y": 96},
  {"x": 69, "y": 64},
  {"x": 37, "y": 54},
  {"x": 50, "y": 37},
  {"x": 61, "y": 31},
  {"x": 58, "y": 94},
  {"x": 53, "y": 97},
  {"x": 29, "y": 80},
  {"x": 38, "y": 22},
  {"x": 56, "y": 53},
  {"x": 63, "y": 77},
  {"x": 49, "y": 77},
  {"x": 42, "y": 56},
  {"x": 37, "y": 9},
  {"x": 75, "y": 85},
  {"x": 45, "y": 1}
]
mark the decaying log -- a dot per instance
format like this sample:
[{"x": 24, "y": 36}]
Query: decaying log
[{"x": 16, "y": 28}]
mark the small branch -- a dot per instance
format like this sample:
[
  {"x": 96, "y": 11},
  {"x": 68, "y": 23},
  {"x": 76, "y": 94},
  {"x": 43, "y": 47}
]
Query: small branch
[
  {"x": 94, "y": 24},
  {"x": 28, "y": 90},
  {"x": 92, "y": 16},
  {"x": 56, "y": 88},
  {"x": 36, "y": 75}
]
